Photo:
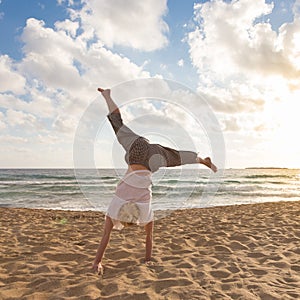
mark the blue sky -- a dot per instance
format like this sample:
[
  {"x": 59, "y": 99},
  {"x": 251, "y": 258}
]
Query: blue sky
[
  {"x": 242, "y": 56},
  {"x": 15, "y": 14}
]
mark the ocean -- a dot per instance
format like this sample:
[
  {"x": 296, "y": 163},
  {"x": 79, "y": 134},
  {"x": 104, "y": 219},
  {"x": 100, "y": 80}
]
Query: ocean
[{"x": 172, "y": 188}]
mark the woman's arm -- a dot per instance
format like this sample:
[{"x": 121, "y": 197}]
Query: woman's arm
[
  {"x": 108, "y": 226},
  {"x": 149, "y": 240}
]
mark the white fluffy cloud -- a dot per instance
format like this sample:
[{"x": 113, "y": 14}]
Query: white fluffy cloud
[
  {"x": 2, "y": 122},
  {"x": 228, "y": 41},
  {"x": 68, "y": 26},
  {"x": 63, "y": 72},
  {"x": 45, "y": 93},
  {"x": 62, "y": 62},
  {"x": 180, "y": 63},
  {"x": 19, "y": 118},
  {"x": 49, "y": 56},
  {"x": 296, "y": 9},
  {"x": 10, "y": 79},
  {"x": 249, "y": 72},
  {"x": 136, "y": 24},
  {"x": 40, "y": 104},
  {"x": 243, "y": 62},
  {"x": 68, "y": 2},
  {"x": 8, "y": 139}
]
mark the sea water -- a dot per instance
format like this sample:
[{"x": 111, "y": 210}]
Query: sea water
[{"x": 172, "y": 188}]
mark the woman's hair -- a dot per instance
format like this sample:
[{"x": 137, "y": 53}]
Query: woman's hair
[
  {"x": 127, "y": 224},
  {"x": 129, "y": 214}
]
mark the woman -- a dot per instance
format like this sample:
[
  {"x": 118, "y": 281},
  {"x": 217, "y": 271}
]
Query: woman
[{"x": 131, "y": 203}]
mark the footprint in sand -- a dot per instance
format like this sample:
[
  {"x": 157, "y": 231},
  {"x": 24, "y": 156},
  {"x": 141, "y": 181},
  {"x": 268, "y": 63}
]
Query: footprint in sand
[
  {"x": 258, "y": 272},
  {"x": 235, "y": 246},
  {"x": 219, "y": 274},
  {"x": 223, "y": 249}
]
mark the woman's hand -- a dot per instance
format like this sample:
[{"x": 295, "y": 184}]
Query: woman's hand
[{"x": 98, "y": 268}]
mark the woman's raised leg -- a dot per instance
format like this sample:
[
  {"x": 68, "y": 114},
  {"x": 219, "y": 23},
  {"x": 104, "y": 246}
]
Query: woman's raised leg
[
  {"x": 125, "y": 135},
  {"x": 112, "y": 106}
]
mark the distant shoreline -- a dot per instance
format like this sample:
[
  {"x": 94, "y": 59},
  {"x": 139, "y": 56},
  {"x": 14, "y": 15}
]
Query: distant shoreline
[
  {"x": 56, "y": 168},
  {"x": 268, "y": 168}
]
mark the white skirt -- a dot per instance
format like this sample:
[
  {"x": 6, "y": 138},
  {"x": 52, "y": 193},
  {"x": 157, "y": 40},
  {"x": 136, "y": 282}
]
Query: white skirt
[
  {"x": 145, "y": 214},
  {"x": 132, "y": 200}
]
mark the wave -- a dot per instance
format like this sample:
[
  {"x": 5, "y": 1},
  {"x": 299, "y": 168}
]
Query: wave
[
  {"x": 36, "y": 176},
  {"x": 30, "y": 177},
  {"x": 62, "y": 188},
  {"x": 108, "y": 177},
  {"x": 232, "y": 181},
  {"x": 267, "y": 176},
  {"x": 270, "y": 195}
]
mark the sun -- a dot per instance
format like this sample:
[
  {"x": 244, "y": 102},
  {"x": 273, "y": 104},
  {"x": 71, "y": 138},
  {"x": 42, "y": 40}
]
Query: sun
[{"x": 282, "y": 117}]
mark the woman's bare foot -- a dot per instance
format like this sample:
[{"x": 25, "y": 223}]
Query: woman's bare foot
[
  {"x": 112, "y": 106},
  {"x": 207, "y": 162},
  {"x": 105, "y": 93}
]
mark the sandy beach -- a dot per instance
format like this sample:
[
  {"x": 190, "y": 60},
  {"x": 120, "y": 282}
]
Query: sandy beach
[{"x": 233, "y": 252}]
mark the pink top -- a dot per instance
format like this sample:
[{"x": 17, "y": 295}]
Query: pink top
[{"x": 135, "y": 187}]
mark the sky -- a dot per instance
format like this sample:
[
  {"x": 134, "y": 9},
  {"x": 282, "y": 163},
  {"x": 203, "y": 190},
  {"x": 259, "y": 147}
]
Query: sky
[{"x": 242, "y": 57}]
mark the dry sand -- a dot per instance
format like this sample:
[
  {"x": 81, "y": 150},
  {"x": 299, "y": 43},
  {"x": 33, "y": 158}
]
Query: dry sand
[{"x": 233, "y": 252}]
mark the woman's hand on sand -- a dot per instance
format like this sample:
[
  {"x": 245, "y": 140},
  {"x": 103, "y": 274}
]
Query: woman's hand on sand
[
  {"x": 98, "y": 268},
  {"x": 149, "y": 263}
]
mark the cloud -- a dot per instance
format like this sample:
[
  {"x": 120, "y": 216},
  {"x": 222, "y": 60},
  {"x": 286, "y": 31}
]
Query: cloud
[
  {"x": 45, "y": 93},
  {"x": 19, "y": 118},
  {"x": 135, "y": 24},
  {"x": 65, "y": 125},
  {"x": 40, "y": 104},
  {"x": 48, "y": 139},
  {"x": 9, "y": 139},
  {"x": 2, "y": 122},
  {"x": 242, "y": 62},
  {"x": 63, "y": 73},
  {"x": 49, "y": 56},
  {"x": 231, "y": 124},
  {"x": 68, "y": 2},
  {"x": 296, "y": 9},
  {"x": 234, "y": 98},
  {"x": 68, "y": 26},
  {"x": 62, "y": 62},
  {"x": 10, "y": 78},
  {"x": 229, "y": 40},
  {"x": 180, "y": 63}
]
